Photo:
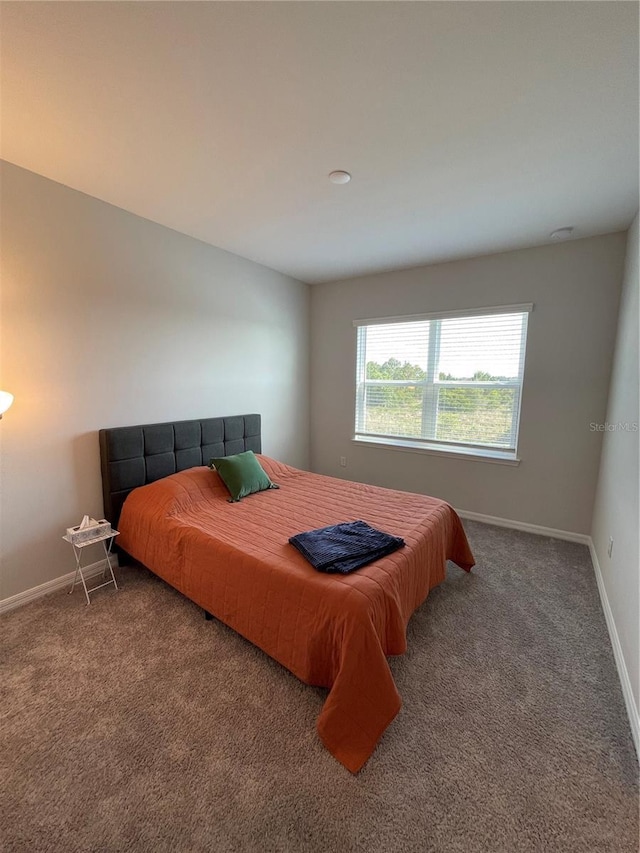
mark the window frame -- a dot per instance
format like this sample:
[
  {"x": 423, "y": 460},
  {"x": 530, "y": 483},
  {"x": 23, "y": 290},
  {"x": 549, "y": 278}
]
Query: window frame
[{"x": 428, "y": 443}]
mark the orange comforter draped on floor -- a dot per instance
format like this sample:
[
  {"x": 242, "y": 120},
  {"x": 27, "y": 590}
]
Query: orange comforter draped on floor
[{"x": 234, "y": 560}]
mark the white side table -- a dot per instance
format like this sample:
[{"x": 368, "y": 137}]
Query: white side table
[{"x": 107, "y": 542}]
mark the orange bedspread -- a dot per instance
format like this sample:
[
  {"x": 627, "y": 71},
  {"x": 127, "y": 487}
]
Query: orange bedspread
[{"x": 234, "y": 560}]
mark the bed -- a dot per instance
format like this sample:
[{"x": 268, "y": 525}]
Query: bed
[{"x": 234, "y": 560}]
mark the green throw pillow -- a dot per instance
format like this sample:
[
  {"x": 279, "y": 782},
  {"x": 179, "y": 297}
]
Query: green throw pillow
[{"x": 242, "y": 474}]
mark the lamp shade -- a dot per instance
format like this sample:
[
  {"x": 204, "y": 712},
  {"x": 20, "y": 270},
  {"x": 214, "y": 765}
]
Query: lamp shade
[{"x": 6, "y": 399}]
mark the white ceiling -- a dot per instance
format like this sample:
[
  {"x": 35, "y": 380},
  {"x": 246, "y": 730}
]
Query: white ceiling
[{"x": 469, "y": 127}]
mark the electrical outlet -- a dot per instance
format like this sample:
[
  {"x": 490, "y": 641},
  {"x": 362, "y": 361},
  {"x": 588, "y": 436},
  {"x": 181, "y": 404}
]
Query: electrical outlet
[
  {"x": 610, "y": 548},
  {"x": 343, "y": 461}
]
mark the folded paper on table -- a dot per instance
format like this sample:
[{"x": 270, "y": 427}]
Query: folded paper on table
[{"x": 88, "y": 529}]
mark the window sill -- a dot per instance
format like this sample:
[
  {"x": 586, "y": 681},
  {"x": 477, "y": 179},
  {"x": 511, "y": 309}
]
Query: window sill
[{"x": 501, "y": 457}]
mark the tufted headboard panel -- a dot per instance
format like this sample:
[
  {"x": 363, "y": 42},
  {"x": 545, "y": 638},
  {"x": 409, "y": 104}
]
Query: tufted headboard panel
[{"x": 136, "y": 455}]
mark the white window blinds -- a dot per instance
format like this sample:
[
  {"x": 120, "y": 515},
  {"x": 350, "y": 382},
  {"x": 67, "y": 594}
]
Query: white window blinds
[{"x": 449, "y": 379}]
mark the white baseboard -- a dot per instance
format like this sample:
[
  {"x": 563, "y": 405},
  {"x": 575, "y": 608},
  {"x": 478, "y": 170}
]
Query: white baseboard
[
  {"x": 50, "y": 586},
  {"x": 623, "y": 672},
  {"x": 568, "y": 535},
  {"x": 632, "y": 711}
]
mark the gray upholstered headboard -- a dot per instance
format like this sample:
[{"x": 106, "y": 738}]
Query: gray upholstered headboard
[{"x": 136, "y": 455}]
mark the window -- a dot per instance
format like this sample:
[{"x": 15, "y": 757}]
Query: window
[{"x": 449, "y": 381}]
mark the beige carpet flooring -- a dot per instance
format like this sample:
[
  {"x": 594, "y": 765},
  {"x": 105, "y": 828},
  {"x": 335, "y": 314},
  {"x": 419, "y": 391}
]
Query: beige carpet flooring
[{"x": 136, "y": 725}]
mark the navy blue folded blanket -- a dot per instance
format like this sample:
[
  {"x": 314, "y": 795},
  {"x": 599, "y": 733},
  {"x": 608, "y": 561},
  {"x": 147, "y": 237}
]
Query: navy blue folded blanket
[{"x": 345, "y": 547}]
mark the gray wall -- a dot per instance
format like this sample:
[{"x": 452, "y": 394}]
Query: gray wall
[
  {"x": 108, "y": 320},
  {"x": 616, "y": 512},
  {"x": 575, "y": 288}
]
